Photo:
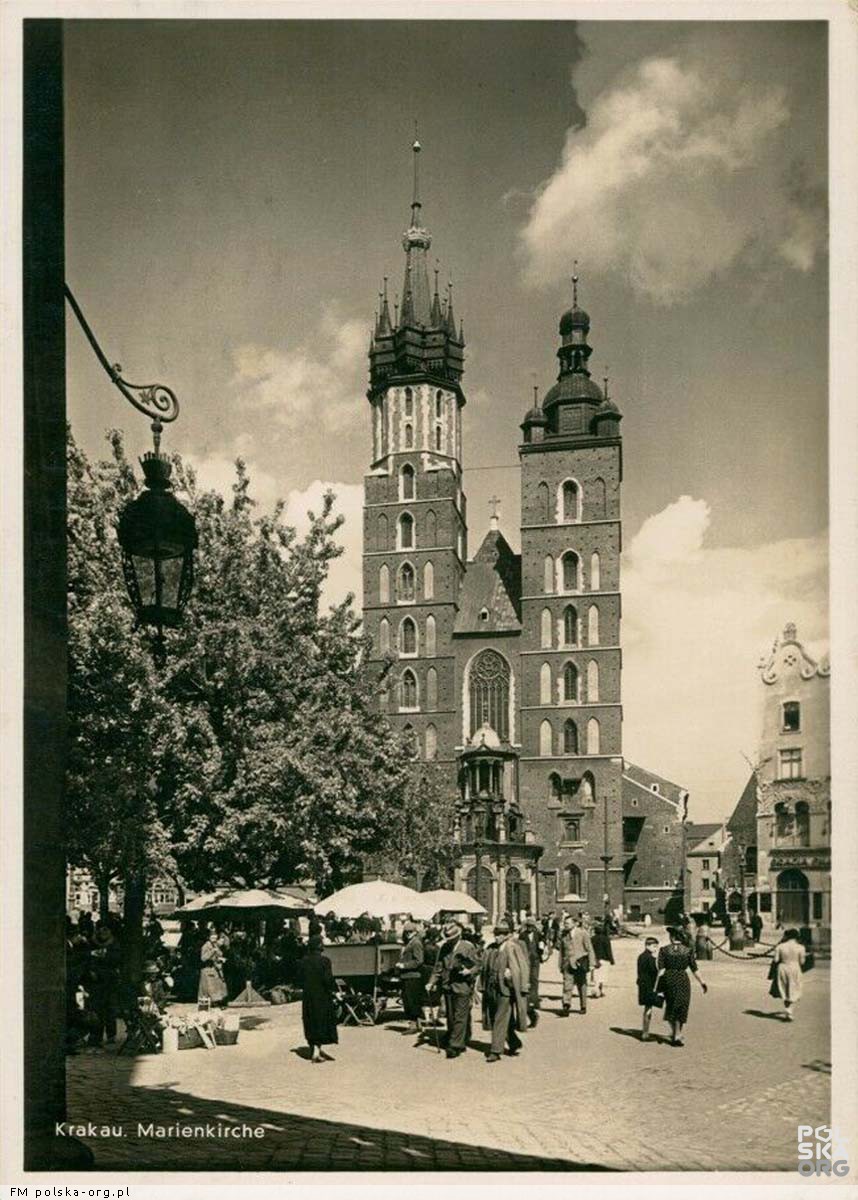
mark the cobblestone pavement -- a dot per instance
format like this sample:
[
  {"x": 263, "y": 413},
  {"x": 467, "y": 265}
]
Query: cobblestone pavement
[{"x": 584, "y": 1092}]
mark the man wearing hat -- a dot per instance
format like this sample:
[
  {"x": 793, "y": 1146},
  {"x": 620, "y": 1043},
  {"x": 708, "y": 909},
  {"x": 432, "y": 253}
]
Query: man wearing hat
[
  {"x": 410, "y": 968},
  {"x": 457, "y": 968},
  {"x": 577, "y": 959},
  {"x": 530, "y": 939},
  {"x": 105, "y": 961},
  {"x": 505, "y": 985}
]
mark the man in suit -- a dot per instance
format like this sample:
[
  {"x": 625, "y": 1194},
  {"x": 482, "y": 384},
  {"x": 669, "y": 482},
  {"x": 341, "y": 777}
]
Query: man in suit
[
  {"x": 456, "y": 970},
  {"x": 647, "y": 976},
  {"x": 577, "y": 959},
  {"x": 505, "y": 985},
  {"x": 529, "y": 937},
  {"x": 410, "y": 967}
]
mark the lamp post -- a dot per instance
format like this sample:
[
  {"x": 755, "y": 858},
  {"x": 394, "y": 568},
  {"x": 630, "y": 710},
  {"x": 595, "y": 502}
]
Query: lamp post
[
  {"x": 606, "y": 861},
  {"x": 157, "y": 534},
  {"x": 743, "y": 913}
]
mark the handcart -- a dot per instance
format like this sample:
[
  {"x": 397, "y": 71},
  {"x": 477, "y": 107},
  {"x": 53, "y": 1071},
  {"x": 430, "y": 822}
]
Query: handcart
[{"x": 366, "y": 981}]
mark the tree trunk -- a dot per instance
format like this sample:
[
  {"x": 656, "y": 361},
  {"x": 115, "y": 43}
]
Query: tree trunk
[
  {"x": 132, "y": 933},
  {"x": 102, "y": 882}
]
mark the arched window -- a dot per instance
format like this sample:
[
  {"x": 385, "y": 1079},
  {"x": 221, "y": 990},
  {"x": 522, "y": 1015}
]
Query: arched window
[
  {"x": 428, "y": 582},
  {"x": 431, "y": 743},
  {"x": 439, "y": 437},
  {"x": 597, "y": 499},
  {"x": 542, "y": 503},
  {"x": 570, "y": 501},
  {"x": 595, "y": 572},
  {"x": 802, "y": 824},
  {"x": 545, "y": 629},
  {"x": 571, "y": 571},
  {"x": 592, "y": 681},
  {"x": 548, "y": 574},
  {"x": 409, "y": 402},
  {"x": 406, "y": 532},
  {"x": 430, "y": 636},
  {"x": 407, "y": 637},
  {"x": 408, "y": 690},
  {"x": 784, "y": 821},
  {"x": 545, "y": 739},
  {"x": 570, "y": 686},
  {"x": 593, "y": 737},
  {"x": 406, "y": 482},
  {"x": 573, "y": 880},
  {"x": 570, "y": 625},
  {"x": 593, "y": 626},
  {"x": 570, "y": 738},
  {"x": 432, "y": 689},
  {"x": 553, "y": 788},
  {"x": 384, "y": 636},
  {"x": 587, "y": 790},
  {"x": 431, "y": 528},
  {"x": 545, "y": 684},
  {"x": 489, "y": 686},
  {"x": 383, "y": 533},
  {"x": 409, "y": 436},
  {"x": 383, "y": 584},
  {"x": 405, "y": 584},
  {"x": 439, "y": 405}
]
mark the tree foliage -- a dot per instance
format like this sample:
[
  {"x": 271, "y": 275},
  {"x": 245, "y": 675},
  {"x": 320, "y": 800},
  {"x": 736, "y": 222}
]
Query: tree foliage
[
  {"x": 257, "y": 755},
  {"x": 420, "y": 846}
]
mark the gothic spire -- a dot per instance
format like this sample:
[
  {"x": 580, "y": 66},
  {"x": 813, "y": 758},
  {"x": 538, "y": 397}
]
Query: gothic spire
[{"x": 416, "y": 305}]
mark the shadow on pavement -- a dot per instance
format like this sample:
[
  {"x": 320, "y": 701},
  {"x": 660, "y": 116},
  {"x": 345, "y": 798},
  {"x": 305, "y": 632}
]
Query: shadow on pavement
[
  {"x": 288, "y": 1142},
  {"x": 818, "y": 1064},
  {"x": 767, "y": 1016},
  {"x": 636, "y": 1034},
  {"x": 253, "y": 1022}
]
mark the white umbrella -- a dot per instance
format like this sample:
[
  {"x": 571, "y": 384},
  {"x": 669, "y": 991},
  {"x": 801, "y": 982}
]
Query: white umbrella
[
  {"x": 253, "y": 899},
  {"x": 376, "y": 897},
  {"x": 445, "y": 900}
]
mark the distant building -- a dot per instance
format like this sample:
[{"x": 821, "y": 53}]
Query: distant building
[
  {"x": 653, "y": 812},
  {"x": 739, "y": 861},
  {"x": 704, "y": 850},
  {"x": 794, "y": 789},
  {"x": 163, "y": 896}
]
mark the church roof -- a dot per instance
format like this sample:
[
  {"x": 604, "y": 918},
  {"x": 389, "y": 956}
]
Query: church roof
[
  {"x": 699, "y": 837},
  {"x": 489, "y": 601},
  {"x": 657, "y": 785},
  {"x": 744, "y": 815}
]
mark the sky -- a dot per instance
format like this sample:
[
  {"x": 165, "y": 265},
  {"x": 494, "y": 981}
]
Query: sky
[{"x": 236, "y": 190}]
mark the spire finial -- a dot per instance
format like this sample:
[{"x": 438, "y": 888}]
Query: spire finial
[
  {"x": 575, "y": 283},
  {"x": 535, "y": 387},
  {"x": 415, "y": 201},
  {"x": 605, "y": 378}
]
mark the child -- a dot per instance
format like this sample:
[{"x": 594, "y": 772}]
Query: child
[{"x": 647, "y": 975}]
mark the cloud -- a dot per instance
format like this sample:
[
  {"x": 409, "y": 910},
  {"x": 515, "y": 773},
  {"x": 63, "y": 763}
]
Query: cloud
[
  {"x": 216, "y": 472},
  {"x": 696, "y": 620},
  {"x": 678, "y": 173},
  {"x": 295, "y": 385},
  {"x": 345, "y": 572}
]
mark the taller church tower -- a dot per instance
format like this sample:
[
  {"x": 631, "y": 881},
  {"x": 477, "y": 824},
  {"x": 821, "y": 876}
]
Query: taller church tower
[
  {"x": 571, "y": 761},
  {"x": 415, "y": 532}
]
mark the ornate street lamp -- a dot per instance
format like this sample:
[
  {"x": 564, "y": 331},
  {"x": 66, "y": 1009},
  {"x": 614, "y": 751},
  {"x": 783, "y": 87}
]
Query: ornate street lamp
[{"x": 156, "y": 533}]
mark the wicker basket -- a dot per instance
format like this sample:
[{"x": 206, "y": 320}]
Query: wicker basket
[
  {"x": 190, "y": 1040},
  {"x": 225, "y": 1037}
]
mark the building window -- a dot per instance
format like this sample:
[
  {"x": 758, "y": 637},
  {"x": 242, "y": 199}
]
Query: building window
[
  {"x": 489, "y": 687},
  {"x": 545, "y": 629},
  {"x": 571, "y": 571},
  {"x": 705, "y": 884},
  {"x": 802, "y": 824},
  {"x": 383, "y": 585},
  {"x": 570, "y": 501},
  {"x": 409, "y": 402},
  {"x": 408, "y": 637},
  {"x": 545, "y": 739},
  {"x": 634, "y": 803},
  {"x": 553, "y": 788},
  {"x": 791, "y": 717},
  {"x": 597, "y": 499},
  {"x": 592, "y": 682},
  {"x": 406, "y": 481},
  {"x": 432, "y": 688},
  {"x": 409, "y": 436},
  {"x": 548, "y": 574},
  {"x": 431, "y": 527},
  {"x": 705, "y": 905},
  {"x": 751, "y": 860},
  {"x": 408, "y": 690},
  {"x": 428, "y": 582},
  {"x": 573, "y": 880},
  {"x": 571, "y": 829},
  {"x": 542, "y": 504},
  {"x": 570, "y": 684},
  {"x": 817, "y": 906},
  {"x": 784, "y": 822},
  {"x": 431, "y": 743},
  {"x": 790, "y": 764},
  {"x": 431, "y": 638},
  {"x": 439, "y": 404},
  {"x": 438, "y": 437},
  {"x": 595, "y": 573},
  {"x": 384, "y": 636},
  {"x": 570, "y": 737},
  {"x": 484, "y": 614},
  {"x": 405, "y": 584},
  {"x": 593, "y": 626},
  {"x": 570, "y": 625},
  {"x": 545, "y": 684},
  {"x": 705, "y": 864},
  {"x": 406, "y": 532},
  {"x": 593, "y": 736},
  {"x": 382, "y": 533}
]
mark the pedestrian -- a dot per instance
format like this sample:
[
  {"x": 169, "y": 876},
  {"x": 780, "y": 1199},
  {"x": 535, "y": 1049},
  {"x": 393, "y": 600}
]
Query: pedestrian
[
  {"x": 674, "y": 963},
  {"x": 212, "y": 985},
  {"x": 604, "y": 954},
  {"x": 505, "y": 986},
  {"x": 647, "y": 975},
  {"x": 456, "y": 969},
  {"x": 104, "y": 963},
  {"x": 647, "y": 920},
  {"x": 756, "y": 926},
  {"x": 535, "y": 945},
  {"x": 576, "y": 962},
  {"x": 410, "y": 968},
  {"x": 789, "y": 959},
  {"x": 318, "y": 1014}
]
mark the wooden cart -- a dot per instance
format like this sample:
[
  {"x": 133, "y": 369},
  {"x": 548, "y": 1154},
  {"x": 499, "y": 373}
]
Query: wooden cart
[{"x": 366, "y": 983}]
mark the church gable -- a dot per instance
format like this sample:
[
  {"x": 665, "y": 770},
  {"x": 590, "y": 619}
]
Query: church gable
[{"x": 491, "y": 592}]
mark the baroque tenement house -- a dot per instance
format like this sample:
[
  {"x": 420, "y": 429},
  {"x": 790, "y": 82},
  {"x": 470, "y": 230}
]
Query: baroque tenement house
[{"x": 506, "y": 667}]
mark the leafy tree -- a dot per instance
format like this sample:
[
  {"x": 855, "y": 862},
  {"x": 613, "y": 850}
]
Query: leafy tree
[{"x": 420, "y": 847}]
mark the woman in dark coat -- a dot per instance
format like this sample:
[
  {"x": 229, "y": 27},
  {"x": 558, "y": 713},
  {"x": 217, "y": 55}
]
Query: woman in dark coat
[
  {"x": 674, "y": 963},
  {"x": 317, "y": 1005}
]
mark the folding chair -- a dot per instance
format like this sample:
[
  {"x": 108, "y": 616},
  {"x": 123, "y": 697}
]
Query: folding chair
[{"x": 353, "y": 1007}]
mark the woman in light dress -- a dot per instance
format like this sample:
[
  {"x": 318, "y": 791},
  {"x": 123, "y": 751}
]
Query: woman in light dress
[{"x": 789, "y": 959}]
